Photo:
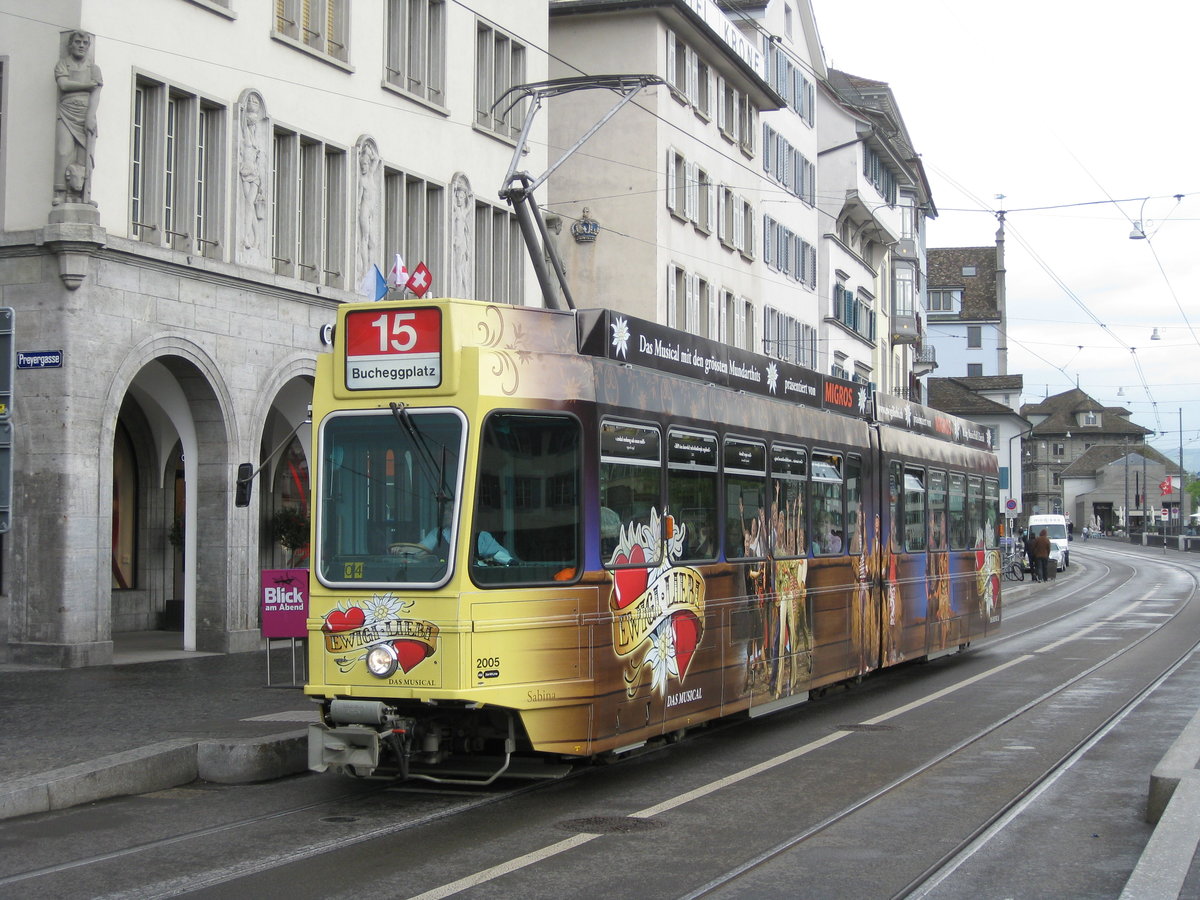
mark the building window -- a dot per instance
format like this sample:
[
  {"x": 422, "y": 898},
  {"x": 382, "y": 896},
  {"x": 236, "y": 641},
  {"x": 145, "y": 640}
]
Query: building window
[
  {"x": 904, "y": 292},
  {"x": 945, "y": 300},
  {"x": 1091, "y": 418},
  {"x": 974, "y": 336},
  {"x": 974, "y": 370},
  {"x": 968, "y": 271},
  {"x": 677, "y": 183},
  {"x": 879, "y": 175},
  {"x": 416, "y": 48},
  {"x": 175, "y": 170},
  {"x": 309, "y": 198},
  {"x": 1060, "y": 449},
  {"x": 319, "y": 25},
  {"x": 498, "y": 255},
  {"x": 413, "y": 219},
  {"x": 499, "y": 65}
]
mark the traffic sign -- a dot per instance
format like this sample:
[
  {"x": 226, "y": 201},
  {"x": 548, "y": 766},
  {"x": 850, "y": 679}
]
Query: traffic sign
[
  {"x": 1164, "y": 513},
  {"x": 1010, "y": 504}
]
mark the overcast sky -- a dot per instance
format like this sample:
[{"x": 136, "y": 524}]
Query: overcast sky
[{"x": 1077, "y": 112}]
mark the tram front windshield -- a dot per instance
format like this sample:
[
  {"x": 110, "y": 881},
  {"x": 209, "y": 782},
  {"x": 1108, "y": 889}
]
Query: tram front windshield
[{"x": 389, "y": 483}]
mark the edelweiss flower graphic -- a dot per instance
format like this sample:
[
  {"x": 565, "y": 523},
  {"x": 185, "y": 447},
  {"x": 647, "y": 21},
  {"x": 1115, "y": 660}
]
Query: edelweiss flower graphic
[
  {"x": 660, "y": 657},
  {"x": 862, "y": 400},
  {"x": 382, "y": 607},
  {"x": 620, "y": 338},
  {"x": 772, "y": 376}
]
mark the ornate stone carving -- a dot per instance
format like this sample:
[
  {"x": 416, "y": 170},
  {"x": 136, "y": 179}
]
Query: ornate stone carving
[
  {"x": 253, "y": 203},
  {"x": 368, "y": 207},
  {"x": 79, "y": 82},
  {"x": 462, "y": 238}
]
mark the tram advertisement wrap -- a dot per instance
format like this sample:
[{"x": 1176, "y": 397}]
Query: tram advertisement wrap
[
  {"x": 657, "y": 610},
  {"x": 351, "y": 629}
]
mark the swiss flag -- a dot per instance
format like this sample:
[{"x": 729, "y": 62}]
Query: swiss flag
[{"x": 420, "y": 281}]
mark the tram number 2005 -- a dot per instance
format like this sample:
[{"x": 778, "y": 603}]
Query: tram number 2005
[{"x": 487, "y": 662}]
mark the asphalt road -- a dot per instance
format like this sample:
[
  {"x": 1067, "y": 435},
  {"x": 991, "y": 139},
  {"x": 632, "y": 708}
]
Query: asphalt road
[{"x": 1017, "y": 769}]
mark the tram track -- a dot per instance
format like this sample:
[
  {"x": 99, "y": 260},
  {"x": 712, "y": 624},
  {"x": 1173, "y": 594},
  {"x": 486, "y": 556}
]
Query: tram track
[
  {"x": 945, "y": 864},
  {"x": 276, "y": 857}
]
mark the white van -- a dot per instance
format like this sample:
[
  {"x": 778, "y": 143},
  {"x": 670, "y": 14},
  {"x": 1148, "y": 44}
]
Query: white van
[{"x": 1056, "y": 530}]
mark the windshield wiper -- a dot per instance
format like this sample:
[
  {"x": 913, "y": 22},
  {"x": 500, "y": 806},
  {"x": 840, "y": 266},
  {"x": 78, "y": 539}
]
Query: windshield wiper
[{"x": 428, "y": 463}]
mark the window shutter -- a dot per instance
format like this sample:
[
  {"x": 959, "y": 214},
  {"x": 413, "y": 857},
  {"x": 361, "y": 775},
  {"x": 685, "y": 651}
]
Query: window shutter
[
  {"x": 671, "y": 185},
  {"x": 720, "y": 103},
  {"x": 693, "y": 89},
  {"x": 712, "y": 204},
  {"x": 671, "y": 58},
  {"x": 692, "y": 194},
  {"x": 671, "y": 295}
]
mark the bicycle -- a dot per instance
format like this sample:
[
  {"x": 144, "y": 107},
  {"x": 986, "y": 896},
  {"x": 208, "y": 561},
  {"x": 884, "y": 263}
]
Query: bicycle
[{"x": 1012, "y": 568}]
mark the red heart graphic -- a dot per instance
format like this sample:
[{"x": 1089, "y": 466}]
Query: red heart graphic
[
  {"x": 630, "y": 583},
  {"x": 409, "y": 653},
  {"x": 687, "y": 636},
  {"x": 337, "y": 620}
]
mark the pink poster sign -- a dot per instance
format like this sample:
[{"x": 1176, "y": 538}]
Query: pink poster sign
[{"x": 284, "y": 603}]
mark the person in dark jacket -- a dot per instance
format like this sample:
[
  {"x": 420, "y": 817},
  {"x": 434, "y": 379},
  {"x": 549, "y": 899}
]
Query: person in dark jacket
[
  {"x": 1040, "y": 552},
  {"x": 1027, "y": 546}
]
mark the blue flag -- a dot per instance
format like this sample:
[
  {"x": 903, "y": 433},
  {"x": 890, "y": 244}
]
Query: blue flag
[{"x": 381, "y": 287}]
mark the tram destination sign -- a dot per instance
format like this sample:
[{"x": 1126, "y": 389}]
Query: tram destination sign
[
  {"x": 623, "y": 338},
  {"x": 390, "y": 348}
]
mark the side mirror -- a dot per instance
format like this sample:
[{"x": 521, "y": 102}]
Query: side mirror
[{"x": 244, "y": 485}]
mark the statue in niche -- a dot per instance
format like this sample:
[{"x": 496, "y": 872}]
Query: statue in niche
[
  {"x": 368, "y": 197},
  {"x": 79, "y": 82},
  {"x": 254, "y": 172},
  {"x": 462, "y": 238}
]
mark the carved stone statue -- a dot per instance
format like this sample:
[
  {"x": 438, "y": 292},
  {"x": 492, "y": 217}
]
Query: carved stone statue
[
  {"x": 462, "y": 238},
  {"x": 79, "y": 82},
  {"x": 254, "y": 182},
  {"x": 369, "y": 203}
]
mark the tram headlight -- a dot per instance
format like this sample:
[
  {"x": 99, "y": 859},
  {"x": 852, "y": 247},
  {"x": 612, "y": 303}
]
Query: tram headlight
[{"x": 382, "y": 660}]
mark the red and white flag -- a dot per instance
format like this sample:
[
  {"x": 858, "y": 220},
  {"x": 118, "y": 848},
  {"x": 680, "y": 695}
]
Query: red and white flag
[
  {"x": 420, "y": 281},
  {"x": 398, "y": 276}
]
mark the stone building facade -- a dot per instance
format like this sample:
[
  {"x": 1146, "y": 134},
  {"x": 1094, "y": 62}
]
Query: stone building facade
[{"x": 189, "y": 189}]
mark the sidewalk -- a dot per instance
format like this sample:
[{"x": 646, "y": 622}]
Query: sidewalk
[{"x": 157, "y": 718}]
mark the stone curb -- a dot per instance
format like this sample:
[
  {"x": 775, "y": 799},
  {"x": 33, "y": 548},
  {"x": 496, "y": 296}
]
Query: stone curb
[
  {"x": 156, "y": 767},
  {"x": 1163, "y": 866},
  {"x": 1180, "y": 760},
  {"x": 1173, "y": 808}
]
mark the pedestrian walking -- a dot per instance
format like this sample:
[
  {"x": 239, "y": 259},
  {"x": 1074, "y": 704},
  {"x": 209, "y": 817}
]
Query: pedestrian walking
[
  {"x": 1027, "y": 546},
  {"x": 1040, "y": 553}
]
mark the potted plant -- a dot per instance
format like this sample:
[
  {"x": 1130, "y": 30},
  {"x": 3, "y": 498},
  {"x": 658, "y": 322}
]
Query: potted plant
[{"x": 289, "y": 529}]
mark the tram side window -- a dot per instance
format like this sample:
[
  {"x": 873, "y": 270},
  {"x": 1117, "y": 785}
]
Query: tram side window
[
  {"x": 789, "y": 470},
  {"x": 528, "y": 501},
  {"x": 745, "y": 464},
  {"x": 895, "y": 480},
  {"x": 692, "y": 492},
  {"x": 854, "y": 507},
  {"x": 630, "y": 494},
  {"x": 991, "y": 512},
  {"x": 938, "y": 538},
  {"x": 975, "y": 511},
  {"x": 914, "y": 510},
  {"x": 828, "y": 518},
  {"x": 958, "y": 512}
]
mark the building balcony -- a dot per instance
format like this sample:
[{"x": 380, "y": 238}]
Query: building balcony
[
  {"x": 905, "y": 329},
  {"x": 924, "y": 359}
]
